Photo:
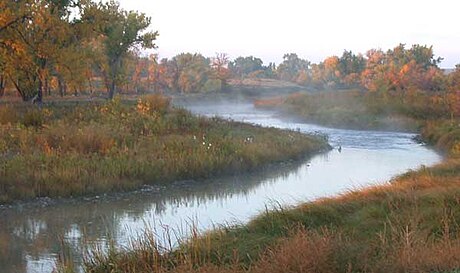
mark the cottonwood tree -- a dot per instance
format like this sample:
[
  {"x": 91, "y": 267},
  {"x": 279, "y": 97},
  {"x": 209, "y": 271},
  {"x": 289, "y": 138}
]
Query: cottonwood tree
[
  {"x": 243, "y": 66},
  {"x": 119, "y": 31},
  {"x": 30, "y": 46},
  {"x": 219, "y": 65},
  {"x": 193, "y": 71},
  {"x": 12, "y": 13},
  {"x": 291, "y": 66},
  {"x": 452, "y": 94}
]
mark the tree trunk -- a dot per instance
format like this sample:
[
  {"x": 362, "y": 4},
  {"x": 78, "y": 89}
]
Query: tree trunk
[
  {"x": 112, "y": 90},
  {"x": 42, "y": 75},
  {"x": 62, "y": 86},
  {"x": 112, "y": 76},
  {"x": 90, "y": 83},
  {"x": 2, "y": 85},
  {"x": 48, "y": 87},
  {"x": 39, "y": 97},
  {"x": 21, "y": 92}
]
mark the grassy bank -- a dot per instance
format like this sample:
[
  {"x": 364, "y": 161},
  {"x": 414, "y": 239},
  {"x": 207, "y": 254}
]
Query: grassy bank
[
  {"x": 410, "y": 224},
  {"x": 79, "y": 148},
  {"x": 355, "y": 109}
]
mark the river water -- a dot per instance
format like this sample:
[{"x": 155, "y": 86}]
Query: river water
[{"x": 31, "y": 235}]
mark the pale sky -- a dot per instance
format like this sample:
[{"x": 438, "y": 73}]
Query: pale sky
[{"x": 312, "y": 29}]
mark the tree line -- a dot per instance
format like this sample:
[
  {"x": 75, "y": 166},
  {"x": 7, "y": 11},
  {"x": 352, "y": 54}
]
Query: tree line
[
  {"x": 64, "y": 43},
  {"x": 79, "y": 46}
]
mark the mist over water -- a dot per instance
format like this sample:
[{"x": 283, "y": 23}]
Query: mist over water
[{"x": 30, "y": 235}]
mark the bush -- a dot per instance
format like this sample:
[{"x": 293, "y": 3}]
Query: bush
[
  {"x": 35, "y": 117},
  {"x": 154, "y": 103}
]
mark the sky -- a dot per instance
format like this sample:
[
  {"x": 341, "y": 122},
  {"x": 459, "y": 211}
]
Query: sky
[{"x": 312, "y": 29}]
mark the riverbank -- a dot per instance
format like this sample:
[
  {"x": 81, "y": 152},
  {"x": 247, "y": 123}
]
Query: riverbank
[
  {"x": 360, "y": 110},
  {"x": 410, "y": 224},
  {"x": 84, "y": 148}
]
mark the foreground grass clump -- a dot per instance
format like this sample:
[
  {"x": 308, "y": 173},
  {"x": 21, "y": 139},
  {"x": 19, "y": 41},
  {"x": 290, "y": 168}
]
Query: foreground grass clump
[
  {"x": 409, "y": 225},
  {"x": 71, "y": 149}
]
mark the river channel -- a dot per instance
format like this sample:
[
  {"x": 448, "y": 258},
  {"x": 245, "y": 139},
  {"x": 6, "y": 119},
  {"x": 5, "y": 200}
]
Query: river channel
[{"x": 31, "y": 235}]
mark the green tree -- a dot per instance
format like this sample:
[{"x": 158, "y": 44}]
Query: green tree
[
  {"x": 292, "y": 66},
  {"x": 350, "y": 67},
  {"x": 243, "y": 66},
  {"x": 121, "y": 31}
]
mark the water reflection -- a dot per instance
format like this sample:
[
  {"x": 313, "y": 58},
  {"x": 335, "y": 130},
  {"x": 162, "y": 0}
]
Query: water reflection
[{"x": 30, "y": 236}]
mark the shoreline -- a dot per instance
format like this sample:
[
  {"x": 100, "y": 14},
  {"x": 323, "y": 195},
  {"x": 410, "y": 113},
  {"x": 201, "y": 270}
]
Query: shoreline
[{"x": 268, "y": 231}]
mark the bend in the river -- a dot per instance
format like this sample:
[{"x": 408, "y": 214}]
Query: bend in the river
[{"x": 30, "y": 237}]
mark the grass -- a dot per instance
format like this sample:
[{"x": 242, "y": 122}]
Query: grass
[
  {"x": 356, "y": 109},
  {"x": 410, "y": 224},
  {"x": 80, "y": 148}
]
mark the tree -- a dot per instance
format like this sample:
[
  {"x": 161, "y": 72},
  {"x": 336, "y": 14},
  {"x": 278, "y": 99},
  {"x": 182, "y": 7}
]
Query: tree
[
  {"x": 13, "y": 13},
  {"x": 243, "y": 66},
  {"x": 350, "y": 67},
  {"x": 220, "y": 66},
  {"x": 29, "y": 47},
  {"x": 373, "y": 76},
  {"x": 193, "y": 71},
  {"x": 401, "y": 69},
  {"x": 452, "y": 94},
  {"x": 120, "y": 32},
  {"x": 2, "y": 84},
  {"x": 331, "y": 74},
  {"x": 291, "y": 66}
]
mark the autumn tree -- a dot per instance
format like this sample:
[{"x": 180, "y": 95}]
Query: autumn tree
[
  {"x": 373, "y": 75},
  {"x": 331, "y": 73},
  {"x": 13, "y": 13},
  {"x": 193, "y": 71},
  {"x": 292, "y": 66},
  {"x": 452, "y": 94},
  {"x": 29, "y": 47},
  {"x": 401, "y": 69},
  {"x": 120, "y": 31},
  {"x": 219, "y": 64}
]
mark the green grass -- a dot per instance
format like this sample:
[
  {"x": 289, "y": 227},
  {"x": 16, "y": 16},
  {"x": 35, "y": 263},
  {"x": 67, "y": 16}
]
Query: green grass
[{"x": 72, "y": 149}]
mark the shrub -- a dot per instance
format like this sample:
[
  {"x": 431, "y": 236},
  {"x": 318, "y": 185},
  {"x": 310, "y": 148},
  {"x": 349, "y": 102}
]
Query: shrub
[{"x": 154, "y": 103}]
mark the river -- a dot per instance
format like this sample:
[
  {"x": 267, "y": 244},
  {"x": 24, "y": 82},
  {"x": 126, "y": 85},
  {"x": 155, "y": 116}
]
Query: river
[{"x": 31, "y": 235}]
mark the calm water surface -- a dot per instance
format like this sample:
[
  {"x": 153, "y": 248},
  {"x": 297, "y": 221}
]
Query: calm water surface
[{"x": 31, "y": 236}]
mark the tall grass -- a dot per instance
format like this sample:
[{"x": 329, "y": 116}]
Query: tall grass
[{"x": 86, "y": 148}]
